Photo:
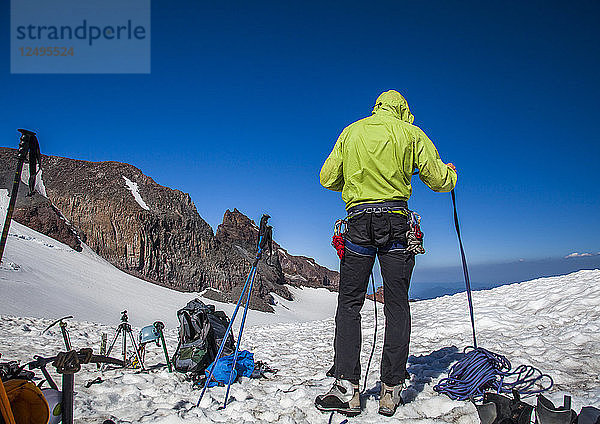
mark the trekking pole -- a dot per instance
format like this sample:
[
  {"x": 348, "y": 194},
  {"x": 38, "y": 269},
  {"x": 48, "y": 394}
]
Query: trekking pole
[
  {"x": 222, "y": 346},
  {"x": 465, "y": 269},
  {"x": 237, "y": 346},
  {"x": 264, "y": 237},
  {"x": 24, "y": 144}
]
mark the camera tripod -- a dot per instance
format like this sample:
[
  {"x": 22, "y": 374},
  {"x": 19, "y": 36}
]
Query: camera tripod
[{"x": 124, "y": 329}]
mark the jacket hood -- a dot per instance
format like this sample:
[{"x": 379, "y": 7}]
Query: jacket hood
[{"x": 393, "y": 102}]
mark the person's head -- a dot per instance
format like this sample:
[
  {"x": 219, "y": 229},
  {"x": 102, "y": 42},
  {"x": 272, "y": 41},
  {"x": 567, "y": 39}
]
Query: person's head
[{"x": 393, "y": 102}]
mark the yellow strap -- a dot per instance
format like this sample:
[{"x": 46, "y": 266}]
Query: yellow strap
[{"x": 5, "y": 410}]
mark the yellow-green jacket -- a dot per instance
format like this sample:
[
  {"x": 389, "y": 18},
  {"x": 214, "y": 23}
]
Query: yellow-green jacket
[{"x": 374, "y": 158}]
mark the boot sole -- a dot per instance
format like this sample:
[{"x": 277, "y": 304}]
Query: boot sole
[
  {"x": 386, "y": 412},
  {"x": 346, "y": 412}
]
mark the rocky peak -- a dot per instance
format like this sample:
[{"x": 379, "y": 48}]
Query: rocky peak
[
  {"x": 156, "y": 233},
  {"x": 237, "y": 228},
  {"x": 378, "y": 295}
]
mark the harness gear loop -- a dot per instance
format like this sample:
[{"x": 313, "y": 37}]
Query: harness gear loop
[
  {"x": 414, "y": 236},
  {"x": 337, "y": 241}
]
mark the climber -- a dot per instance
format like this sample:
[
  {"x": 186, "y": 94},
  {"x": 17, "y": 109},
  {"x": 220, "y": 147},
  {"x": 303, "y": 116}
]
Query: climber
[{"x": 372, "y": 163}]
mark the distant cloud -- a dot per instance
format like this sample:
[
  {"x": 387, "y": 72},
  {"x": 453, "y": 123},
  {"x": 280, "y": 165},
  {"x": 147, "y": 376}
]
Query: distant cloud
[{"x": 577, "y": 255}]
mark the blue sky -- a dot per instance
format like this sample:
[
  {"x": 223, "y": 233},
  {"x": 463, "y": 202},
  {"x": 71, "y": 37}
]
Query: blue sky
[{"x": 245, "y": 101}]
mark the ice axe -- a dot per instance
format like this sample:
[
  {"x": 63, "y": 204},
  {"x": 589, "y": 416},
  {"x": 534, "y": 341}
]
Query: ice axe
[{"x": 63, "y": 330}]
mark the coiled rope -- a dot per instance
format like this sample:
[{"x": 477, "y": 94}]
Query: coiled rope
[{"x": 480, "y": 370}]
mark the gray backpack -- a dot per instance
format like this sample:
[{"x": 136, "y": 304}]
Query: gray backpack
[{"x": 201, "y": 331}]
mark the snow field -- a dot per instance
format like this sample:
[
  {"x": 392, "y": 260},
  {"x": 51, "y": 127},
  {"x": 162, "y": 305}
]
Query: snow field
[{"x": 559, "y": 337}]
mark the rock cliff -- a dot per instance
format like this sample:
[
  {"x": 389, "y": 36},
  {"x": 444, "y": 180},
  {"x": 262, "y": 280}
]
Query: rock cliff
[{"x": 155, "y": 232}]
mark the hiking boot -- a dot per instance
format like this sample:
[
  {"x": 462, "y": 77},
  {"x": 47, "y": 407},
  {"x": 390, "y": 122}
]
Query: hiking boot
[
  {"x": 390, "y": 399},
  {"x": 547, "y": 413},
  {"x": 343, "y": 397}
]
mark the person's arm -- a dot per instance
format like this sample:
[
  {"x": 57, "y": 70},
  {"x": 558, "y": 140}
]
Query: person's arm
[
  {"x": 332, "y": 172},
  {"x": 432, "y": 170}
]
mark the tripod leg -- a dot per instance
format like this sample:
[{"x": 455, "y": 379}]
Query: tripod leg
[
  {"x": 237, "y": 346},
  {"x": 112, "y": 344},
  {"x": 124, "y": 346},
  {"x": 137, "y": 351}
]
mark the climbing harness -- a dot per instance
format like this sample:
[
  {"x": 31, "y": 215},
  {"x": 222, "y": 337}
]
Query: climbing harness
[
  {"x": 479, "y": 369},
  {"x": 414, "y": 235}
]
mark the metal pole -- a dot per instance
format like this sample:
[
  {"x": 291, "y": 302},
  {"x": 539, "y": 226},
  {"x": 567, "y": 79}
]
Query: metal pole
[
  {"x": 68, "y": 383},
  {"x": 160, "y": 327},
  {"x": 237, "y": 346},
  {"x": 65, "y": 334},
  {"x": 465, "y": 269},
  {"x": 27, "y": 138},
  {"x": 11, "y": 204}
]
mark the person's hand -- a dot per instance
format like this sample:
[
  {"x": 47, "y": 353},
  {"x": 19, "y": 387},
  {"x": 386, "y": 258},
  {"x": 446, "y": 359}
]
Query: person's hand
[{"x": 451, "y": 166}]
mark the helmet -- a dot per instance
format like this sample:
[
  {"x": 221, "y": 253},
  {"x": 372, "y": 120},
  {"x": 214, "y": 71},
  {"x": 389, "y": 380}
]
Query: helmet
[
  {"x": 149, "y": 334},
  {"x": 54, "y": 399}
]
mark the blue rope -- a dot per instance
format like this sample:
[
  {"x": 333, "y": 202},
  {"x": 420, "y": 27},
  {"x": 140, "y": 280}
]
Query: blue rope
[{"x": 481, "y": 370}]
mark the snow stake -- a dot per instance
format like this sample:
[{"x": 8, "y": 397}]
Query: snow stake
[
  {"x": 265, "y": 239},
  {"x": 160, "y": 327},
  {"x": 28, "y": 144}
]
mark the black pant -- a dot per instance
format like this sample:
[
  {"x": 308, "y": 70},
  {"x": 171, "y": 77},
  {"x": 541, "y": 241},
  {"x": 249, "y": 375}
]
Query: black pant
[{"x": 375, "y": 230}]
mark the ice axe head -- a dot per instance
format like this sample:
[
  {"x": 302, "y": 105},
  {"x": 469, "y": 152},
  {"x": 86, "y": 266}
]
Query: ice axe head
[
  {"x": 24, "y": 142},
  {"x": 61, "y": 321}
]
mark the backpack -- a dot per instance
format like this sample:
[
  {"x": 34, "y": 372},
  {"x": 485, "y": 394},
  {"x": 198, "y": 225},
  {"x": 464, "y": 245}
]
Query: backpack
[
  {"x": 201, "y": 331},
  {"x": 22, "y": 402}
]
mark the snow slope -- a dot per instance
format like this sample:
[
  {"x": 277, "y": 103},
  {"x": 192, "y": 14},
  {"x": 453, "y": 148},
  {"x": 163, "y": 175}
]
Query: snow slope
[{"x": 41, "y": 277}]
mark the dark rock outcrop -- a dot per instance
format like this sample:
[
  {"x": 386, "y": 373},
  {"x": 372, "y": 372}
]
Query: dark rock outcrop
[
  {"x": 36, "y": 211},
  {"x": 378, "y": 295},
  {"x": 156, "y": 233}
]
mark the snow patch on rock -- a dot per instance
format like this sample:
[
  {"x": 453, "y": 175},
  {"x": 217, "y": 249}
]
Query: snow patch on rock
[
  {"x": 39, "y": 182},
  {"x": 133, "y": 188}
]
